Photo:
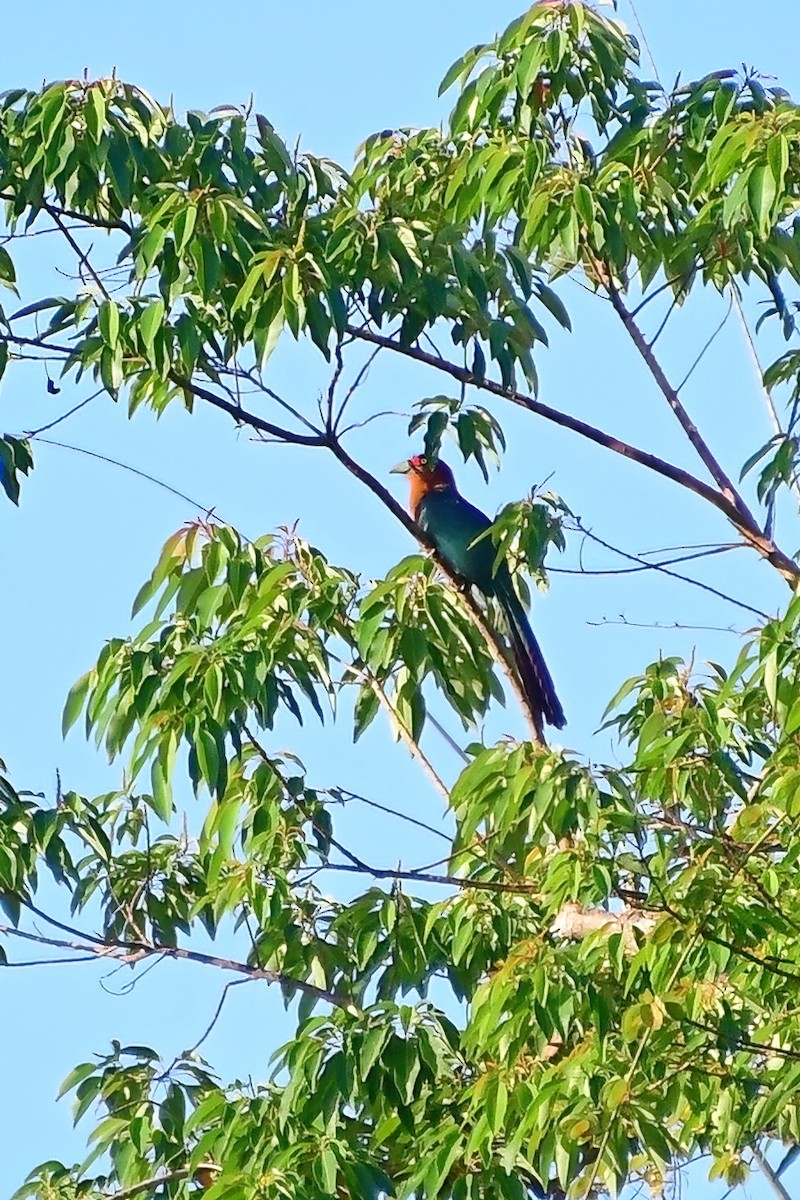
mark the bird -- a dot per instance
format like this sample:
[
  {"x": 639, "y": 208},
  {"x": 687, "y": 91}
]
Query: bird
[{"x": 453, "y": 526}]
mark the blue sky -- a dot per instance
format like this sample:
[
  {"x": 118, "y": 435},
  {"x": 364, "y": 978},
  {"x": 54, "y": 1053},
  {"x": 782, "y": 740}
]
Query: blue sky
[{"x": 87, "y": 534}]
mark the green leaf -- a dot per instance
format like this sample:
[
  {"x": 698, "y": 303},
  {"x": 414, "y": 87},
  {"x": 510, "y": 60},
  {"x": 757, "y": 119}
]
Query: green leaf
[
  {"x": 496, "y": 1103},
  {"x": 366, "y": 710},
  {"x": 461, "y": 67},
  {"x": 374, "y": 1042},
  {"x": 15, "y": 459},
  {"x": 161, "y": 776},
  {"x": 119, "y": 164},
  {"x": 584, "y": 203},
  {"x": 761, "y": 192},
  {"x": 76, "y": 1075},
  {"x": 183, "y": 227},
  {"x": 778, "y": 158},
  {"x": 8, "y": 275},
  {"x": 108, "y": 318},
  {"x": 75, "y": 702},
  {"x": 95, "y": 114},
  {"x": 150, "y": 322}
]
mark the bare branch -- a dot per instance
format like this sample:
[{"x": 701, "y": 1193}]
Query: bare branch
[
  {"x": 452, "y": 743},
  {"x": 456, "y": 881},
  {"x": 82, "y": 217},
  {"x": 751, "y": 346},
  {"x": 71, "y": 412},
  {"x": 354, "y": 386},
  {"x": 133, "y": 952},
  {"x": 209, "y": 1028},
  {"x": 671, "y": 396},
  {"x": 246, "y": 418},
  {"x": 40, "y": 342},
  {"x": 252, "y": 378},
  {"x": 623, "y": 620},
  {"x": 706, "y": 346},
  {"x": 648, "y": 566},
  {"x": 770, "y": 1175},
  {"x": 343, "y": 795},
  {"x": 574, "y": 424},
  {"x": 402, "y": 730},
  {"x": 706, "y": 587}
]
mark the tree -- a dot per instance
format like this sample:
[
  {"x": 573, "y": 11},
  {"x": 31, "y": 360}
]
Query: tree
[{"x": 602, "y": 989}]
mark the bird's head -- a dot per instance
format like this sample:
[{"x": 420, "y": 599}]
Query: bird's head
[{"x": 425, "y": 474}]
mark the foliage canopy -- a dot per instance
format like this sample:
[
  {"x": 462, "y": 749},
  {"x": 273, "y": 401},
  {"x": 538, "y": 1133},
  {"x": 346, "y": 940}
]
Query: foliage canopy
[{"x": 606, "y": 986}]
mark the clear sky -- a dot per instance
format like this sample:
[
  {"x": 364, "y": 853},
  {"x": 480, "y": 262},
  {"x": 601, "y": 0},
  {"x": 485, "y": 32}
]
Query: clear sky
[{"x": 87, "y": 534}]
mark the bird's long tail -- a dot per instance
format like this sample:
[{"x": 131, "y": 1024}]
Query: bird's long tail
[{"x": 534, "y": 676}]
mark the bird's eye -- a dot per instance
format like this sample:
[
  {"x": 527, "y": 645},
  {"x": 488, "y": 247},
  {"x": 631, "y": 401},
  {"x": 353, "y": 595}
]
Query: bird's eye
[{"x": 422, "y": 460}]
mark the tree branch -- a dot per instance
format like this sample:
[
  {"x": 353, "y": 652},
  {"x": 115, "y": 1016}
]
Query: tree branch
[
  {"x": 770, "y": 1175},
  {"x": 663, "y": 570},
  {"x": 133, "y": 952},
  {"x": 402, "y": 730},
  {"x": 673, "y": 400},
  {"x": 144, "y": 1185},
  {"x": 478, "y": 885},
  {"x": 84, "y": 218},
  {"x": 744, "y": 520},
  {"x": 737, "y": 513},
  {"x": 243, "y": 417},
  {"x": 83, "y": 257}
]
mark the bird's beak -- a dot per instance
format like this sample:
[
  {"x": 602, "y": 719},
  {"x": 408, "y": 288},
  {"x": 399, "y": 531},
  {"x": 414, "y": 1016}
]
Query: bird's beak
[{"x": 402, "y": 468}]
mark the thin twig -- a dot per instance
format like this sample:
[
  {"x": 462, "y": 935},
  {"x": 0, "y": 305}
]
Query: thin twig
[
  {"x": 242, "y": 417},
  {"x": 342, "y": 795},
  {"x": 452, "y": 743},
  {"x": 209, "y": 1028},
  {"x": 238, "y": 372},
  {"x": 644, "y": 40},
  {"x": 33, "y": 433},
  {"x": 748, "y": 337},
  {"x": 84, "y": 218},
  {"x": 706, "y": 587},
  {"x": 405, "y": 734},
  {"x": 50, "y": 962},
  {"x": 479, "y": 885},
  {"x": 714, "y": 469},
  {"x": 355, "y": 385},
  {"x": 794, "y": 483},
  {"x": 40, "y": 343},
  {"x": 622, "y": 620},
  {"x": 704, "y": 350},
  {"x": 738, "y": 511},
  {"x": 664, "y": 322},
  {"x": 377, "y": 416},
  {"x": 787, "y": 1160},
  {"x": 646, "y": 566},
  {"x": 83, "y": 257},
  {"x": 115, "y": 462}
]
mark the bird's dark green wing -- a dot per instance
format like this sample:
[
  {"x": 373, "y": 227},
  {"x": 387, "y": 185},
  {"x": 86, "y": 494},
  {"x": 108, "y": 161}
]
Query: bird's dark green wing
[{"x": 453, "y": 524}]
